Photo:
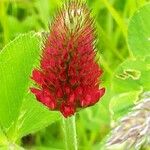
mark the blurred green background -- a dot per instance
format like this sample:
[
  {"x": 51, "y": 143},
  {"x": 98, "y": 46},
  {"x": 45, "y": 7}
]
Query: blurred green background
[{"x": 112, "y": 17}]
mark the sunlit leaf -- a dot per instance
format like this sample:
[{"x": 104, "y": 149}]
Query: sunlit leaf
[
  {"x": 122, "y": 103},
  {"x": 130, "y": 79},
  {"x": 139, "y": 32},
  {"x": 20, "y": 113}
]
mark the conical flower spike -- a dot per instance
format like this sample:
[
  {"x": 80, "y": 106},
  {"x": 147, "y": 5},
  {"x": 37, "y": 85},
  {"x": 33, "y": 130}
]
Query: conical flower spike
[{"x": 68, "y": 77}]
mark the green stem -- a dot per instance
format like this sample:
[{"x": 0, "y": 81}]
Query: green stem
[
  {"x": 116, "y": 17},
  {"x": 4, "y": 21},
  {"x": 69, "y": 128}
]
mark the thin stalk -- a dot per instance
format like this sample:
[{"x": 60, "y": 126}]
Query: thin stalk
[
  {"x": 116, "y": 17},
  {"x": 110, "y": 46},
  {"x": 3, "y": 20},
  {"x": 118, "y": 20},
  {"x": 110, "y": 21},
  {"x": 69, "y": 128},
  {"x": 106, "y": 66}
]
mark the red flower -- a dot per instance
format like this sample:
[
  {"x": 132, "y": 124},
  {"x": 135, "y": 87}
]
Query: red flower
[{"x": 68, "y": 77}]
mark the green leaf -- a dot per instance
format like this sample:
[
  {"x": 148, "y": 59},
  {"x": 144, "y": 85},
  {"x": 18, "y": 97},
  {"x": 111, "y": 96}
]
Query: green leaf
[
  {"x": 33, "y": 118},
  {"x": 95, "y": 117},
  {"x": 16, "y": 62},
  {"x": 3, "y": 138},
  {"x": 122, "y": 103},
  {"x": 20, "y": 113},
  {"x": 131, "y": 75},
  {"x": 139, "y": 32},
  {"x": 129, "y": 80}
]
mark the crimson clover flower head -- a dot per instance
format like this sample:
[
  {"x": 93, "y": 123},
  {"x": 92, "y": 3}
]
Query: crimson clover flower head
[{"x": 68, "y": 75}]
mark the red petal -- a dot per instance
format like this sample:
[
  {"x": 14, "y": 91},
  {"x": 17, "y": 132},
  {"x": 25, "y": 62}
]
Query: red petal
[
  {"x": 38, "y": 93},
  {"x": 67, "y": 110},
  {"x": 71, "y": 98},
  {"x": 37, "y": 76}
]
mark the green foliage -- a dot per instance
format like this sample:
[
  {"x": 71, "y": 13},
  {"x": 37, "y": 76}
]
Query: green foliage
[
  {"x": 20, "y": 114},
  {"x": 17, "y": 60},
  {"x": 139, "y": 32},
  {"x": 124, "y": 56},
  {"x": 131, "y": 77}
]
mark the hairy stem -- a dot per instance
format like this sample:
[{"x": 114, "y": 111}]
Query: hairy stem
[{"x": 69, "y": 128}]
